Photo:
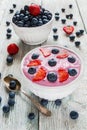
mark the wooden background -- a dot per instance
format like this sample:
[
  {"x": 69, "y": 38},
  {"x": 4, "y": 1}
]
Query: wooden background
[{"x": 60, "y": 120}]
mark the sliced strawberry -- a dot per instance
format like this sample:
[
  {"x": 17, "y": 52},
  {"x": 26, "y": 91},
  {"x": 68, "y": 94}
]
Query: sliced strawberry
[
  {"x": 34, "y": 9},
  {"x": 45, "y": 52},
  {"x": 62, "y": 55},
  {"x": 68, "y": 29},
  {"x": 40, "y": 75},
  {"x": 34, "y": 63},
  {"x": 63, "y": 75}
]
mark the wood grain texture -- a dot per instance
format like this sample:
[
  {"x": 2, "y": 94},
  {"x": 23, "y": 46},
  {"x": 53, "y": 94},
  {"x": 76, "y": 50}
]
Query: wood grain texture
[
  {"x": 60, "y": 120},
  {"x": 82, "y": 6}
]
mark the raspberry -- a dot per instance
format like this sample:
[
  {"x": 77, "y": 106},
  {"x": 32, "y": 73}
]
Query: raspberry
[{"x": 12, "y": 49}]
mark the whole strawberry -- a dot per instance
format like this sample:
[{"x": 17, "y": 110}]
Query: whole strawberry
[
  {"x": 12, "y": 49},
  {"x": 34, "y": 9}
]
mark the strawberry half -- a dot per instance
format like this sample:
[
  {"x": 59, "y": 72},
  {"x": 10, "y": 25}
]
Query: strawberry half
[
  {"x": 12, "y": 49},
  {"x": 68, "y": 29},
  {"x": 34, "y": 63},
  {"x": 63, "y": 75},
  {"x": 40, "y": 75},
  {"x": 34, "y": 9},
  {"x": 62, "y": 55},
  {"x": 45, "y": 52}
]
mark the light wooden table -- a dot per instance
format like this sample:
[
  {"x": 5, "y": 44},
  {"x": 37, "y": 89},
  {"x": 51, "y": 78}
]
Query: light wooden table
[{"x": 60, "y": 120}]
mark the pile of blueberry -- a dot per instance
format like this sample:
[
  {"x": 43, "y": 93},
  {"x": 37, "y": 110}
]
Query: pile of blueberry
[
  {"x": 11, "y": 102},
  {"x": 8, "y": 31},
  {"x": 32, "y": 16}
]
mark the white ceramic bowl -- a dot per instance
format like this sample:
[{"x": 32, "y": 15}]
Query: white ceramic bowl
[
  {"x": 34, "y": 35},
  {"x": 52, "y": 93}
]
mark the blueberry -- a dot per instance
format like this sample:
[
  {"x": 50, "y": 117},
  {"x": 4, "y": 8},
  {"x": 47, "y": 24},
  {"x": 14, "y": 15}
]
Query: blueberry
[
  {"x": 44, "y": 102},
  {"x": 34, "y": 56},
  {"x": 63, "y": 21},
  {"x": 81, "y": 32},
  {"x": 72, "y": 72},
  {"x": 20, "y": 23},
  {"x": 63, "y": 10},
  {"x": 18, "y": 17},
  {"x": 12, "y": 84},
  {"x": 31, "y": 116},
  {"x": 26, "y": 8},
  {"x": 52, "y": 62},
  {"x": 52, "y": 77},
  {"x": 7, "y": 23},
  {"x": 8, "y": 36},
  {"x": 34, "y": 22},
  {"x": 6, "y": 108},
  {"x": 11, "y": 11},
  {"x": 74, "y": 115},
  {"x": 78, "y": 34},
  {"x": 44, "y": 17},
  {"x": 72, "y": 37},
  {"x": 11, "y": 102},
  {"x": 9, "y": 59},
  {"x": 56, "y": 13},
  {"x": 26, "y": 18},
  {"x": 67, "y": 16},
  {"x": 27, "y": 13},
  {"x": 55, "y": 30},
  {"x": 55, "y": 37},
  {"x": 32, "y": 70},
  {"x": 40, "y": 23},
  {"x": 17, "y": 13},
  {"x": 45, "y": 21},
  {"x": 58, "y": 102},
  {"x": 22, "y": 11},
  {"x": 0, "y": 99},
  {"x": 9, "y": 30},
  {"x": 46, "y": 12},
  {"x": 27, "y": 24},
  {"x": 70, "y": 6},
  {"x": 14, "y": 19},
  {"x": 21, "y": 16},
  {"x": 49, "y": 17},
  {"x": 55, "y": 51},
  {"x": 11, "y": 94},
  {"x": 57, "y": 17},
  {"x": 14, "y": 5},
  {"x": 77, "y": 43},
  {"x": 74, "y": 23},
  {"x": 0, "y": 75},
  {"x": 71, "y": 16},
  {"x": 71, "y": 59}
]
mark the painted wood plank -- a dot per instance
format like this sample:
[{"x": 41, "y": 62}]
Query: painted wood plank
[
  {"x": 18, "y": 116},
  {"x": 82, "y": 5},
  {"x": 60, "y": 119}
]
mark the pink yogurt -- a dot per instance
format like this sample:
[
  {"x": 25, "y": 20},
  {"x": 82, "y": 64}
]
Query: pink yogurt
[{"x": 61, "y": 63}]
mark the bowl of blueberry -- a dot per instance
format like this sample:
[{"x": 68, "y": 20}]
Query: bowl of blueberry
[{"x": 33, "y": 24}]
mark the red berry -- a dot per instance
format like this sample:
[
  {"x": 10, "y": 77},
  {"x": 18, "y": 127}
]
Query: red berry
[
  {"x": 68, "y": 29},
  {"x": 12, "y": 49},
  {"x": 34, "y": 63},
  {"x": 45, "y": 52},
  {"x": 40, "y": 75},
  {"x": 62, "y": 55},
  {"x": 63, "y": 75},
  {"x": 34, "y": 9}
]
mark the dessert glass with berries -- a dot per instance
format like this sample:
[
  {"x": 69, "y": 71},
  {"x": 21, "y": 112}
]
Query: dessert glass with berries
[
  {"x": 33, "y": 24},
  {"x": 52, "y": 72}
]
